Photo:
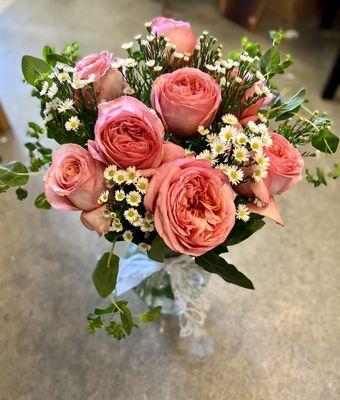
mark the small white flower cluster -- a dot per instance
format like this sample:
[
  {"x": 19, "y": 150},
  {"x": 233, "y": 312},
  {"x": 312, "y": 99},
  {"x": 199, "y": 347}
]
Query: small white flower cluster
[
  {"x": 125, "y": 200},
  {"x": 238, "y": 154}
]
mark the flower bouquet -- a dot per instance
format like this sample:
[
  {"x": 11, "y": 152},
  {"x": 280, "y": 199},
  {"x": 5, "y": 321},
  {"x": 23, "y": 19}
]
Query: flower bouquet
[{"x": 173, "y": 148}]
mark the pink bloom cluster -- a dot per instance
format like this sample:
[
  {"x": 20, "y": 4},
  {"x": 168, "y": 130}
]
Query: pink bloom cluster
[{"x": 192, "y": 201}]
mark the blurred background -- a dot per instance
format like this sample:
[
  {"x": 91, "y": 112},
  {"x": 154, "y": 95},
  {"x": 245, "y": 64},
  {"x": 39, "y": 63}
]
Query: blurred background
[{"x": 280, "y": 341}]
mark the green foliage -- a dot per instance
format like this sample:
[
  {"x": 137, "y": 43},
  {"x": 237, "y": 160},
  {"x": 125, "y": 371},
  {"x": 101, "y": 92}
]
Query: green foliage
[
  {"x": 94, "y": 322},
  {"x": 13, "y": 174},
  {"x": 126, "y": 318},
  {"x": 242, "y": 231},
  {"x": 21, "y": 193},
  {"x": 53, "y": 58},
  {"x": 318, "y": 180},
  {"x": 150, "y": 315},
  {"x": 3, "y": 187},
  {"x": 41, "y": 202},
  {"x": 157, "y": 250},
  {"x": 287, "y": 109},
  {"x": 325, "y": 141},
  {"x": 253, "y": 49},
  {"x": 105, "y": 274},
  {"x": 215, "y": 264},
  {"x": 34, "y": 69},
  {"x": 116, "y": 330}
]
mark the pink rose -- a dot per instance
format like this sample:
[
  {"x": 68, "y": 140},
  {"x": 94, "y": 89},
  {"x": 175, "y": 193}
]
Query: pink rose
[
  {"x": 108, "y": 81},
  {"x": 185, "y": 99},
  {"x": 286, "y": 165},
  {"x": 250, "y": 113},
  {"x": 179, "y": 33},
  {"x": 193, "y": 205},
  {"x": 74, "y": 181},
  {"x": 94, "y": 220},
  {"x": 127, "y": 133}
]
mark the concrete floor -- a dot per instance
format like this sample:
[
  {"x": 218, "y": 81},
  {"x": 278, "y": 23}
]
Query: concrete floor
[{"x": 278, "y": 342}]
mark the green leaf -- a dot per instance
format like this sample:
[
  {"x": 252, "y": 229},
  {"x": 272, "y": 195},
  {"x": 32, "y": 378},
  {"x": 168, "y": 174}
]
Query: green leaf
[
  {"x": 53, "y": 58},
  {"x": 157, "y": 250},
  {"x": 242, "y": 230},
  {"x": 222, "y": 248},
  {"x": 150, "y": 316},
  {"x": 107, "y": 310},
  {"x": 165, "y": 291},
  {"x": 126, "y": 318},
  {"x": 324, "y": 140},
  {"x": 289, "y": 107},
  {"x": 215, "y": 264},
  {"x": 321, "y": 176},
  {"x": 3, "y": 188},
  {"x": 33, "y": 68},
  {"x": 105, "y": 274},
  {"x": 21, "y": 193},
  {"x": 269, "y": 62},
  {"x": 41, "y": 202},
  {"x": 46, "y": 51},
  {"x": 13, "y": 174}
]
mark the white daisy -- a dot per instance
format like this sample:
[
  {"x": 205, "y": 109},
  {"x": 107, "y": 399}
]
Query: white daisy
[
  {"x": 223, "y": 168},
  {"x": 241, "y": 154},
  {"x": 137, "y": 221},
  {"x": 128, "y": 90},
  {"x": 202, "y": 131},
  {"x": 110, "y": 172},
  {"x": 130, "y": 62},
  {"x": 253, "y": 127},
  {"x": 48, "y": 117},
  {"x": 63, "y": 77},
  {"x": 120, "y": 177},
  {"x": 72, "y": 124},
  {"x": 150, "y": 63},
  {"x": 207, "y": 155},
  {"x": 157, "y": 68},
  {"x": 104, "y": 197},
  {"x": 218, "y": 147},
  {"x": 256, "y": 144},
  {"x": 133, "y": 198},
  {"x": 127, "y": 46},
  {"x": 259, "y": 173},
  {"x": 234, "y": 174},
  {"x": 148, "y": 216},
  {"x": 266, "y": 140},
  {"x": 229, "y": 119},
  {"x": 117, "y": 225},
  {"x": 242, "y": 212},
  {"x": 132, "y": 175},
  {"x": 211, "y": 138},
  {"x": 119, "y": 195},
  {"x": 223, "y": 81},
  {"x": 262, "y": 118},
  {"x": 142, "y": 184},
  {"x": 228, "y": 132},
  {"x": 44, "y": 88},
  {"x": 106, "y": 213},
  {"x": 52, "y": 91},
  {"x": 210, "y": 67},
  {"x": 146, "y": 226},
  {"x": 130, "y": 214},
  {"x": 127, "y": 236},
  {"x": 262, "y": 160},
  {"x": 65, "y": 105},
  {"x": 240, "y": 139},
  {"x": 150, "y": 38}
]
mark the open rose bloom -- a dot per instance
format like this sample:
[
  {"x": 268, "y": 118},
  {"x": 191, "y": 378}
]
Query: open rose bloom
[{"x": 173, "y": 148}]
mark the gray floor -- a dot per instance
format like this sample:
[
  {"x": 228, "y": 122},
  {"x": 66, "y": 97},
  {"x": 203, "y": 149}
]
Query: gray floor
[{"x": 279, "y": 342}]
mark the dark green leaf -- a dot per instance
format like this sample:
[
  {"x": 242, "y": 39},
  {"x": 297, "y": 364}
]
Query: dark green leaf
[
  {"x": 105, "y": 274},
  {"x": 53, "y": 58},
  {"x": 242, "y": 230},
  {"x": 21, "y": 193},
  {"x": 165, "y": 291},
  {"x": 150, "y": 316},
  {"x": 215, "y": 264},
  {"x": 269, "y": 62},
  {"x": 107, "y": 310},
  {"x": 126, "y": 318},
  {"x": 321, "y": 176},
  {"x": 289, "y": 107},
  {"x": 30, "y": 146},
  {"x": 33, "y": 68},
  {"x": 41, "y": 202},
  {"x": 222, "y": 248},
  {"x": 111, "y": 236},
  {"x": 13, "y": 174},
  {"x": 157, "y": 250},
  {"x": 324, "y": 141}
]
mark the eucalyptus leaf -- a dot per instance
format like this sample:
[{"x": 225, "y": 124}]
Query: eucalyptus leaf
[
  {"x": 126, "y": 318},
  {"x": 289, "y": 107},
  {"x": 324, "y": 141},
  {"x": 21, "y": 193},
  {"x": 13, "y": 174},
  {"x": 33, "y": 68},
  {"x": 41, "y": 202},
  {"x": 105, "y": 274},
  {"x": 215, "y": 264},
  {"x": 150, "y": 316}
]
